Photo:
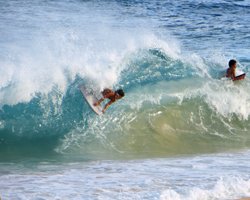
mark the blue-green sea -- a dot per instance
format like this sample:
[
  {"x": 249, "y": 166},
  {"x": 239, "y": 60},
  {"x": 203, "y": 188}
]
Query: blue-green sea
[{"x": 182, "y": 131}]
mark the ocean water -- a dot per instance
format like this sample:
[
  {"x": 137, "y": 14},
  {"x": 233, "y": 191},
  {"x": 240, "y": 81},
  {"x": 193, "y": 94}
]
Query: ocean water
[{"x": 181, "y": 132}]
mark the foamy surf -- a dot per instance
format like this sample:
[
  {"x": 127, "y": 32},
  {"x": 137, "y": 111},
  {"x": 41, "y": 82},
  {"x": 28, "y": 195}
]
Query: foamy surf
[
  {"x": 181, "y": 132},
  {"x": 214, "y": 176}
]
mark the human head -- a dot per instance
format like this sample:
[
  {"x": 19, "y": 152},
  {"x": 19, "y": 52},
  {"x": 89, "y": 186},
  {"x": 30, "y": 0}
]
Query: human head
[
  {"x": 120, "y": 92},
  {"x": 232, "y": 63}
]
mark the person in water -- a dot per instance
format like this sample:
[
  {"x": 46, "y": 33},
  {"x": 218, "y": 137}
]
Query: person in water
[
  {"x": 111, "y": 95},
  {"x": 231, "y": 71}
]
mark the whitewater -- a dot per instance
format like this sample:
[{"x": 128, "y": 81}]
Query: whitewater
[{"x": 180, "y": 132}]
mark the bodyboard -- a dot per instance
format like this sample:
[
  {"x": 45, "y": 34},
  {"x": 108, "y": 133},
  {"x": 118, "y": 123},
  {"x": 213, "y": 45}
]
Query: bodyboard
[
  {"x": 90, "y": 99},
  {"x": 239, "y": 74}
]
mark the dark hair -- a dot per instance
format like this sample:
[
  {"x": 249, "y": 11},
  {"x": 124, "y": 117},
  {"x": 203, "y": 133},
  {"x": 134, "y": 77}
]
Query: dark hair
[
  {"x": 231, "y": 63},
  {"x": 120, "y": 92}
]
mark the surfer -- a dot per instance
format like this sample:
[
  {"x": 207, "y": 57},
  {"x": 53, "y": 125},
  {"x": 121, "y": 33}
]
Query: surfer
[
  {"x": 111, "y": 95},
  {"x": 231, "y": 71}
]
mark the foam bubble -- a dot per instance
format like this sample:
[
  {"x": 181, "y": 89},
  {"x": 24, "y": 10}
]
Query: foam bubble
[
  {"x": 224, "y": 188},
  {"x": 228, "y": 98}
]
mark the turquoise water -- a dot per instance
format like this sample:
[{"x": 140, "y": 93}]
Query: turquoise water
[{"x": 169, "y": 57}]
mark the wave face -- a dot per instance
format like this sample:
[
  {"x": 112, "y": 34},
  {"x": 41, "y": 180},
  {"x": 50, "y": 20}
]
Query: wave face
[{"x": 175, "y": 103}]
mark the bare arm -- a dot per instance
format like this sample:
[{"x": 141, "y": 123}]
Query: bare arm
[
  {"x": 108, "y": 93},
  {"x": 107, "y": 105},
  {"x": 98, "y": 102},
  {"x": 239, "y": 77}
]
